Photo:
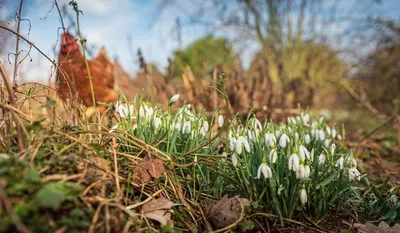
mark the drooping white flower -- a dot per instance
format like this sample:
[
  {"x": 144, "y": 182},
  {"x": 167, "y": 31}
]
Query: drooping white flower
[
  {"x": 303, "y": 152},
  {"x": 187, "y": 127},
  {"x": 246, "y": 144},
  {"x": 333, "y": 133},
  {"x": 278, "y": 133},
  {"x": 156, "y": 122},
  {"x": 238, "y": 146},
  {"x": 307, "y": 171},
  {"x": 264, "y": 170},
  {"x": 303, "y": 196},
  {"x": 232, "y": 143},
  {"x": 328, "y": 130},
  {"x": 307, "y": 139},
  {"x": 283, "y": 141},
  {"x": 354, "y": 174},
  {"x": 234, "y": 159},
  {"x": 300, "y": 172},
  {"x": 321, "y": 135},
  {"x": 174, "y": 99},
  {"x": 257, "y": 124},
  {"x": 294, "y": 162},
  {"x": 270, "y": 139},
  {"x": 273, "y": 156},
  {"x": 339, "y": 163},
  {"x": 327, "y": 143},
  {"x": 314, "y": 125},
  {"x": 321, "y": 159},
  {"x": 220, "y": 121},
  {"x": 205, "y": 127},
  {"x": 251, "y": 136},
  {"x": 333, "y": 148},
  {"x": 305, "y": 118},
  {"x": 296, "y": 136},
  {"x": 339, "y": 137}
]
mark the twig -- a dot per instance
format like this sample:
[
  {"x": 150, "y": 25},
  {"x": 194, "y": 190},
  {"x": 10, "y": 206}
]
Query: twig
[
  {"x": 17, "y": 44},
  {"x": 20, "y": 136},
  {"x": 14, "y": 217},
  {"x": 145, "y": 201},
  {"x": 118, "y": 194}
]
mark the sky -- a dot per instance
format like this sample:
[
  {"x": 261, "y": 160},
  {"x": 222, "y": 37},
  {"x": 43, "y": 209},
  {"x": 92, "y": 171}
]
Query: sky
[{"x": 109, "y": 23}]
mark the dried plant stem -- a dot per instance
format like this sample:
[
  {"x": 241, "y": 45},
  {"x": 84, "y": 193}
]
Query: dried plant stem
[
  {"x": 118, "y": 194},
  {"x": 14, "y": 217},
  {"x": 17, "y": 44},
  {"x": 86, "y": 61},
  {"x": 20, "y": 135}
]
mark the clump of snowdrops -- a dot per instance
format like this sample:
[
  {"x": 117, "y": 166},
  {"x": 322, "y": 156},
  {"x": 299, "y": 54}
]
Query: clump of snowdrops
[{"x": 293, "y": 167}]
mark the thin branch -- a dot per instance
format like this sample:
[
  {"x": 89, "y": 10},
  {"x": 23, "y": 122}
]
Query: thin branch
[
  {"x": 20, "y": 135},
  {"x": 17, "y": 44}
]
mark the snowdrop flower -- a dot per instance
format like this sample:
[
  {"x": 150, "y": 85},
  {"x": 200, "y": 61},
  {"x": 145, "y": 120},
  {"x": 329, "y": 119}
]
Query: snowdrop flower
[
  {"x": 339, "y": 163},
  {"x": 177, "y": 125},
  {"x": 339, "y": 137},
  {"x": 333, "y": 133},
  {"x": 238, "y": 146},
  {"x": 333, "y": 148},
  {"x": 264, "y": 170},
  {"x": 232, "y": 143},
  {"x": 115, "y": 127},
  {"x": 134, "y": 126},
  {"x": 327, "y": 143},
  {"x": 205, "y": 128},
  {"x": 294, "y": 162},
  {"x": 124, "y": 111},
  {"x": 270, "y": 139},
  {"x": 251, "y": 135},
  {"x": 300, "y": 172},
  {"x": 283, "y": 140},
  {"x": 303, "y": 153},
  {"x": 303, "y": 196},
  {"x": 157, "y": 122},
  {"x": 305, "y": 118},
  {"x": 220, "y": 121},
  {"x": 328, "y": 130},
  {"x": 234, "y": 160},
  {"x": 278, "y": 133},
  {"x": 321, "y": 135},
  {"x": 246, "y": 144},
  {"x": 354, "y": 174},
  {"x": 314, "y": 125},
  {"x": 321, "y": 159},
  {"x": 174, "y": 99},
  {"x": 321, "y": 119},
  {"x": 257, "y": 124},
  {"x": 195, "y": 159},
  {"x": 307, "y": 139},
  {"x": 307, "y": 171},
  {"x": 187, "y": 127},
  {"x": 296, "y": 136},
  {"x": 273, "y": 156}
]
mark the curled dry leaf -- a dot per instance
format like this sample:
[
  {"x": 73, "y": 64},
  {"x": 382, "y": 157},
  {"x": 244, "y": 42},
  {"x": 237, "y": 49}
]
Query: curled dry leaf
[
  {"x": 383, "y": 227},
  {"x": 226, "y": 211},
  {"x": 159, "y": 210},
  {"x": 149, "y": 168}
]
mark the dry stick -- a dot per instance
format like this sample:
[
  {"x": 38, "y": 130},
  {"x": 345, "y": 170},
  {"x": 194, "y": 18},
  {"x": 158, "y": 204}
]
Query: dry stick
[
  {"x": 20, "y": 135},
  {"x": 17, "y": 44},
  {"x": 118, "y": 195},
  {"x": 14, "y": 217},
  {"x": 34, "y": 46}
]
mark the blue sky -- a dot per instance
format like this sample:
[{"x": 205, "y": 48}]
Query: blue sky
[{"x": 109, "y": 22}]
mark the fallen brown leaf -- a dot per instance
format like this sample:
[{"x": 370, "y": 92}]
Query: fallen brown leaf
[
  {"x": 383, "y": 227},
  {"x": 226, "y": 211},
  {"x": 159, "y": 210},
  {"x": 147, "y": 169}
]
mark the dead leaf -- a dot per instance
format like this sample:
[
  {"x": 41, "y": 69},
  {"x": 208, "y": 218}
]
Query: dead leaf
[
  {"x": 159, "y": 210},
  {"x": 383, "y": 227},
  {"x": 226, "y": 211},
  {"x": 147, "y": 169},
  {"x": 103, "y": 165}
]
